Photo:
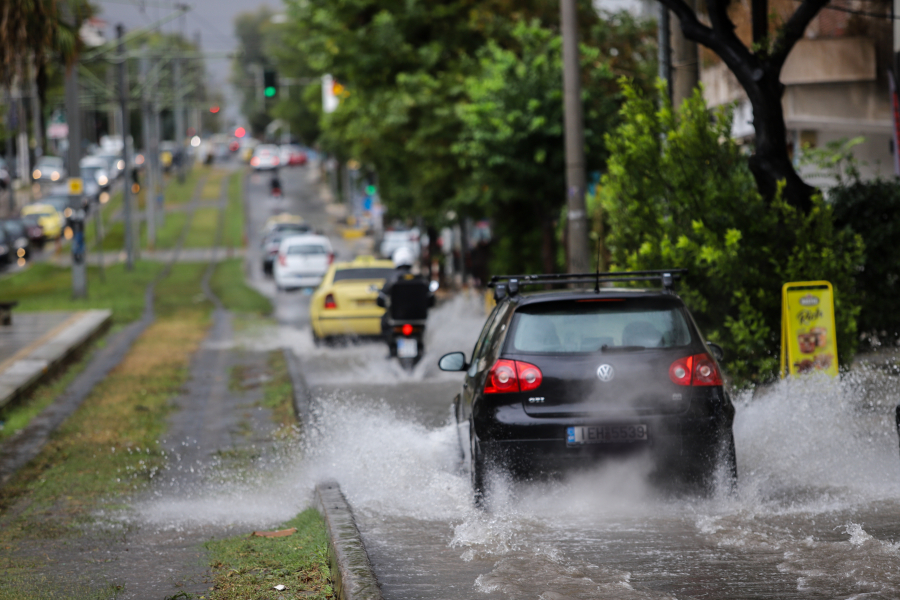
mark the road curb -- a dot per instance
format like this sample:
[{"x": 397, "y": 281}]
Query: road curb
[
  {"x": 27, "y": 371},
  {"x": 351, "y": 570},
  {"x": 302, "y": 395}
]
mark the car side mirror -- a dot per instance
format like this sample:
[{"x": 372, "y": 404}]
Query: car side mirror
[
  {"x": 717, "y": 351},
  {"x": 455, "y": 361},
  {"x": 380, "y": 301}
]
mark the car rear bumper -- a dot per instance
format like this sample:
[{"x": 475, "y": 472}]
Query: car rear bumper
[{"x": 348, "y": 325}]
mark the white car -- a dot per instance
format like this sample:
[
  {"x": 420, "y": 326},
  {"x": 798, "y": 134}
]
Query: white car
[
  {"x": 392, "y": 240},
  {"x": 49, "y": 168},
  {"x": 265, "y": 157},
  {"x": 302, "y": 261}
]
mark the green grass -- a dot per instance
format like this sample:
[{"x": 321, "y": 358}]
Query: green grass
[
  {"x": 204, "y": 225},
  {"x": 181, "y": 193},
  {"x": 278, "y": 391},
  {"x": 181, "y": 291},
  {"x": 250, "y": 567},
  {"x": 233, "y": 234},
  {"x": 212, "y": 187},
  {"x": 47, "y": 287},
  {"x": 229, "y": 285},
  {"x": 167, "y": 235}
]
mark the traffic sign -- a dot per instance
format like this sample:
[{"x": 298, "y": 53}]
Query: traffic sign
[{"x": 76, "y": 186}]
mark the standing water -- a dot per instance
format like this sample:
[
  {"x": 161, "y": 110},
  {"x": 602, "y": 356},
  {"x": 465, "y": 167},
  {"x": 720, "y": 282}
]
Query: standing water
[{"x": 816, "y": 512}]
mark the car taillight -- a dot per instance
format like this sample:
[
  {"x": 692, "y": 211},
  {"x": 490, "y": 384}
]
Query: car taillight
[
  {"x": 512, "y": 376},
  {"x": 255, "y": 161},
  {"x": 330, "y": 258},
  {"x": 502, "y": 378},
  {"x": 407, "y": 329},
  {"x": 329, "y": 301},
  {"x": 282, "y": 260},
  {"x": 697, "y": 370},
  {"x": 705, "y": 371},
  {"x": 529, "y": 376}
]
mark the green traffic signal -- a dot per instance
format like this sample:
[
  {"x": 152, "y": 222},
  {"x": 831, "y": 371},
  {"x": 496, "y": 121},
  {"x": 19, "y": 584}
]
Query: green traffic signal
[
  {"x": 269, "y": 92},
  {"x": 370, "y": 190}
]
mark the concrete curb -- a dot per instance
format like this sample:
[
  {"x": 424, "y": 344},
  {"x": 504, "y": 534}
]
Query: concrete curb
[
  {"x": 302, "y": 395},
  {"x": 24, "y": 373},
  {"x": 351, "y": 570}
]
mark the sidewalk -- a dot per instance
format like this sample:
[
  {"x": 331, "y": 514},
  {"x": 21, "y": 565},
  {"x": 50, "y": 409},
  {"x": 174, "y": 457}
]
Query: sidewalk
[{"x": 36, "y": 343}]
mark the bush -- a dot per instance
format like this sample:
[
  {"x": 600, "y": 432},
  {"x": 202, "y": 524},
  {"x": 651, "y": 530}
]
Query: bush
[
  {"x": 872, "y": 210},
  {"x": 678, "y": 193}
]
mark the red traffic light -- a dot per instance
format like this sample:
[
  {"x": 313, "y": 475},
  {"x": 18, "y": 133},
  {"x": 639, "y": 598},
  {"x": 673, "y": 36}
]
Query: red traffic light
[
  {"x": 213, "y": 109},
  {"x": 240, "y": 132}
]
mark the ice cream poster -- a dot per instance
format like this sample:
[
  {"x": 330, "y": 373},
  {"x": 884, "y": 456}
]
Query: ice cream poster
[{"x": 808, "y": 344}]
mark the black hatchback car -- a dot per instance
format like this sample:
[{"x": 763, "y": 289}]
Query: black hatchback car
[{"x": 564, "y": 377}]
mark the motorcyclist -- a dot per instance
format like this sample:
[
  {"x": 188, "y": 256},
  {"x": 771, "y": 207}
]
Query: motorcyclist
[
  {"x": 403, "y": 260},
  {"x": 275, "y": 185}
]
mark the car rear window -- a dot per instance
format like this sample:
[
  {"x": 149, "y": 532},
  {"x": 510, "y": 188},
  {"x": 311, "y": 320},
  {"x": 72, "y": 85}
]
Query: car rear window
[
  {"x": 307, "y": 249},
  {"x": 589, "y": 325},
  {"x": 364, "y": 273}
]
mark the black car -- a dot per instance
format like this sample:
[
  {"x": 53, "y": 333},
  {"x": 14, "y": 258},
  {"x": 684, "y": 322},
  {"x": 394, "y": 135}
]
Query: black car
[
  {"x": 17, "y": 236},
  {"x": 564, "y": 377},
  {"x": 6, "y": 251}
]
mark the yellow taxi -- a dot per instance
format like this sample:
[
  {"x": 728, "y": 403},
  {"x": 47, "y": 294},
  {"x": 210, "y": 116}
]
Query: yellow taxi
[
  {"x": 48, "y": 218},
  {"x": 344, "y": 303}
]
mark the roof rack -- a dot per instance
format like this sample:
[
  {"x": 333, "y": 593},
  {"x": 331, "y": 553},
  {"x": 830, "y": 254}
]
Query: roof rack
[{"x": 509, "y": 284}]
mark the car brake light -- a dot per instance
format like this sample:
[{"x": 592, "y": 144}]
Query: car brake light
[
  {"x": 513, "y": 376},
  {"x": 502, "y": 378},
  {"x": 255, "y": 161},
  {"x": 705, "y": 371},
  {"x": 282, "y": 260},
  {"x": 529, "y": 376},
  {"x": 697, "y": 370},
  {"x": 329, "y": 301},
  {"x": 330, "y": 258},
  {"x": 407, "y": 329}
]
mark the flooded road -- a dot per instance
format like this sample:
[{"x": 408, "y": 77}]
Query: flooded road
[{"x": 816, "y": 513}]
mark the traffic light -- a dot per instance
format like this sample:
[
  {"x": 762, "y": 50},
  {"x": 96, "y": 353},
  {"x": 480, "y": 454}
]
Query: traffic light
[{"x": 270, "y": 83}]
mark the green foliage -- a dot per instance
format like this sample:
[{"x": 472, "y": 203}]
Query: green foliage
[{"x": 678, "y": 193}]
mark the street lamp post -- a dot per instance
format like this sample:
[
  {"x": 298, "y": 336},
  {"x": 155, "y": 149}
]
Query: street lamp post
[{"x": 579, "y": 257}]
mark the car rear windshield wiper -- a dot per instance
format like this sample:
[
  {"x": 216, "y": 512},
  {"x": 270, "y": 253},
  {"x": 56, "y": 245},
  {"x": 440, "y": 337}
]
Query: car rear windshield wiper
[{"x": 608, "y": 348}]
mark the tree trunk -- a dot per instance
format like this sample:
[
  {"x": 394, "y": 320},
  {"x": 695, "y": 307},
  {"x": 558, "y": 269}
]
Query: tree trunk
[{"x": 770, "y": 162}]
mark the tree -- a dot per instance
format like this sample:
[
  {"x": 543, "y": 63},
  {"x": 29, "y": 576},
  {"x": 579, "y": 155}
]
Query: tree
[
  {"x": 678, "y": 193},
  {"x": 758, "y": 69},
  {"x": 511, "y": 142},
  {"x": 254, "y": 55}
]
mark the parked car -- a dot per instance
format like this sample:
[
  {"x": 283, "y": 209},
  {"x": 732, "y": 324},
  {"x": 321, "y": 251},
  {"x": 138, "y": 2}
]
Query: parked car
[
  {"x": 5, "y": 175},
  {"x": 574, "y": 375},
  {"x": 49, "y": 219},
  {"x": 49, "y": 169},
  {"x": 5, "y": 249},
  {"x": 344, "y": 304},
  {"x": 17, "y": 237},
  {"x": 398, "y": 238},
  {"x": 302, "y": 261},
  {"x": 34, "y": 230},
  {"x": 297, "y": 156},
  {"x": 265, "y": 158}
]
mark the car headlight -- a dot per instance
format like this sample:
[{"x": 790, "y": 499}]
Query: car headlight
[
  {"x": 36, "y": 174},
  {"x": 102, "y": 180},
  {"x": 54, "y": 176}
]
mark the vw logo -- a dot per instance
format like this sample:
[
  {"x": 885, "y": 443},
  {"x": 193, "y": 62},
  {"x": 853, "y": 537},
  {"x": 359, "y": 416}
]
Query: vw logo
[{"x": 605, "y": 373}]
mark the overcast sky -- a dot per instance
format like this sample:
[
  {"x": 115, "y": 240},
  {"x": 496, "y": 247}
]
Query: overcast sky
[{"x": 213, "y": 20}]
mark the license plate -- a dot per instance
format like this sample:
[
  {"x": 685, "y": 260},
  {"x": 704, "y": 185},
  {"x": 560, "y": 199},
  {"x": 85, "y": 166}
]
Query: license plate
[
  {"x": 606, "y": 434},
  {"x": 365, "y": 303},
  {"x": 407, "y": 348}
]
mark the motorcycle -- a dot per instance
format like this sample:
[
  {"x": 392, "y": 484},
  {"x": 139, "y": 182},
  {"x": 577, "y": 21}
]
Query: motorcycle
[{"x": 406, "y": 317}]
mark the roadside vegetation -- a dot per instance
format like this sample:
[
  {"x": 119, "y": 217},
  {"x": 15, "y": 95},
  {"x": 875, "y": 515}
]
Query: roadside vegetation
[
  {"x": 251, "y": 566},
  {"x": 109, "y": 449},
  {"x": 233, "y": 234}
]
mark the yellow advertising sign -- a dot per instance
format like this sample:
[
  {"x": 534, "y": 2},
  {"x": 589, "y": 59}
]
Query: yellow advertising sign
[{"x": 808, "y": 332}]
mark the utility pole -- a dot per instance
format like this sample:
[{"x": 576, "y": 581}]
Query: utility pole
[
  {"x": 665, "y": 49},
  {"x": 37, "y": 118},
  {"x": 10, "y": 126},
  {"x": 149, "y": 183},
  {"x": 579, "y": 257},
  {"x": 685, "y": 63},
  {"x": 126, "y": 153},
  {"x": 75, "y": 218},
  {"x": 179, "y": 119}
]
